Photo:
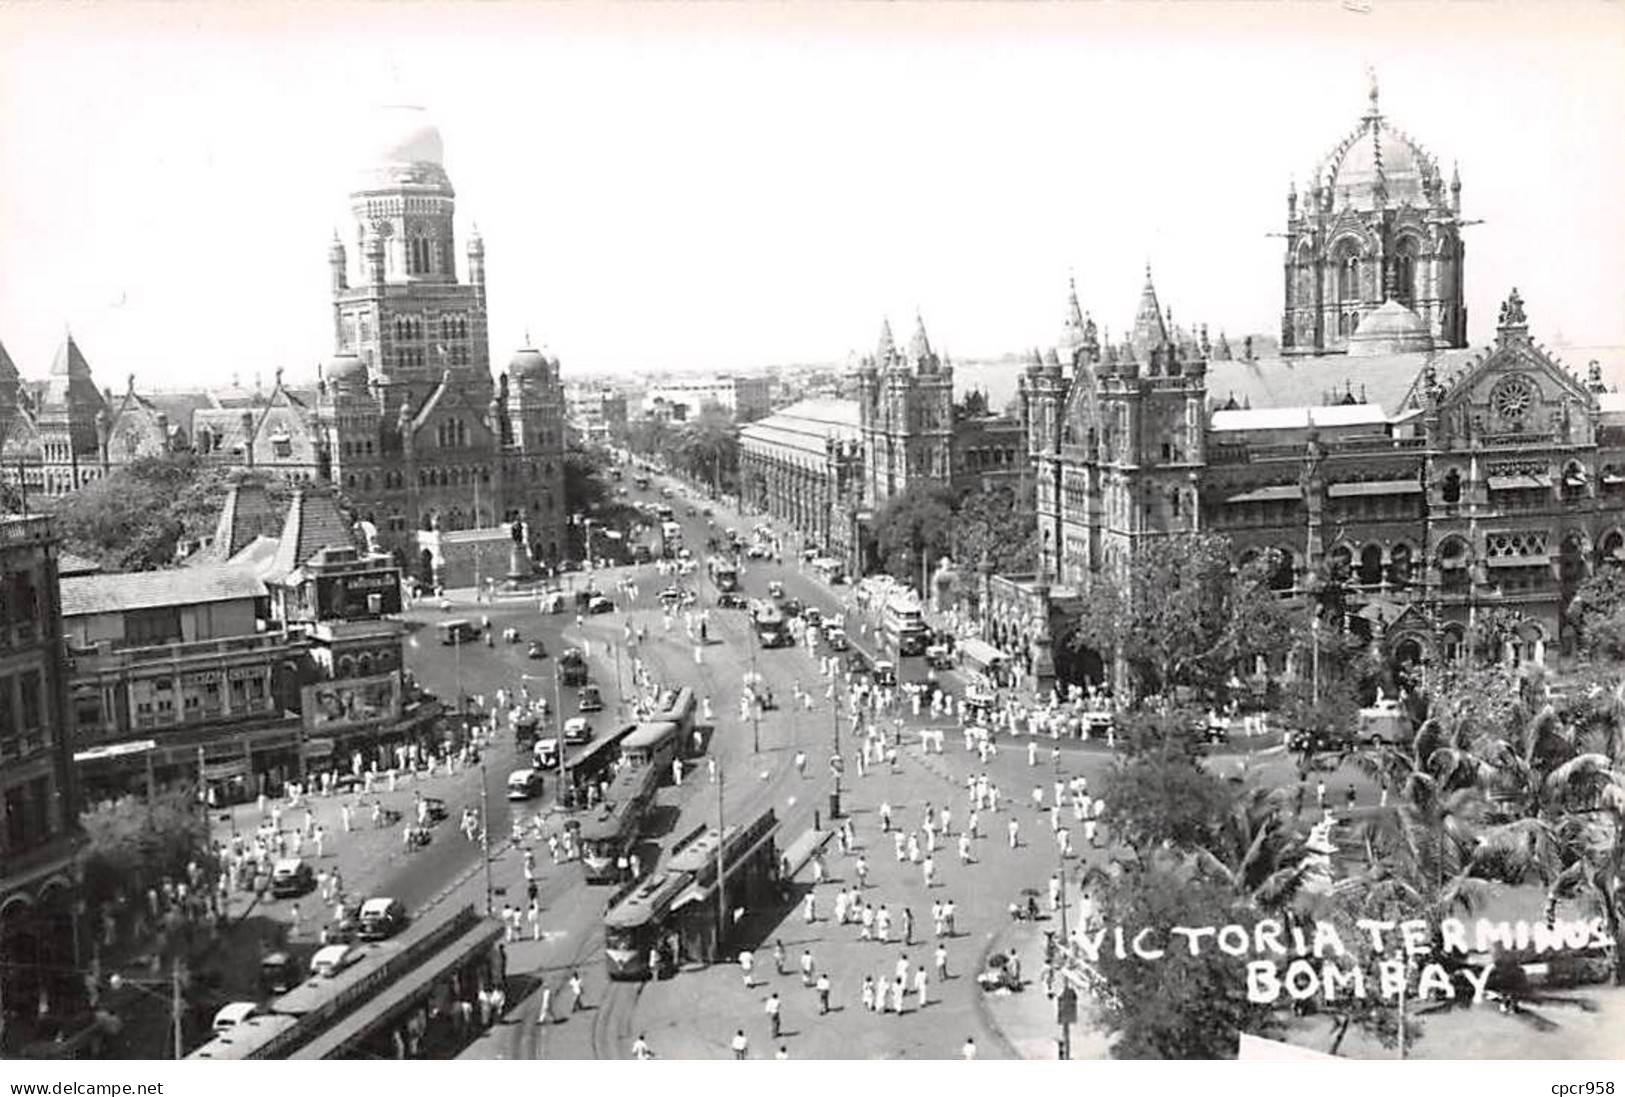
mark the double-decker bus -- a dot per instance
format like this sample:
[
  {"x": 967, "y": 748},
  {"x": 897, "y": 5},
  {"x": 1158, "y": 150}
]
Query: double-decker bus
[
  {"x": 652, "y": 746},
  {"x": 724, "y": 574},
  {"x": 610, "y": 832},
  {"x": 902, "y": 623},
  {"x": 676, "y": 909},
  {"x": 316, "y": 1005}
]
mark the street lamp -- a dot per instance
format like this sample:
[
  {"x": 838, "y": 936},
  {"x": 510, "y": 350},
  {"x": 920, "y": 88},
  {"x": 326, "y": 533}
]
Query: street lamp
[{"x": 148, "y": 987}]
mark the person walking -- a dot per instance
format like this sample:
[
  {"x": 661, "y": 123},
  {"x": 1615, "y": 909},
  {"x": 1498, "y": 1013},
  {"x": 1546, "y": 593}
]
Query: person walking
[
  {"x": 867, "y": 997},
  {"x": 544, "y": 1016},
  {"x": 822, "y": 987},
  {"x": 920, "y": 985},
  {"x": 640, "y": 1048},
  {"x": 941, "y": 958},
  {"x": 778, "y": 956},
  {"x": 809, "y": 908},
  {"x": 746, "y": 962},
  {"x": 741, "y": 1045},
  {"x": 575, "y": 992},
  {"x": 908, "y": 925},
  {"x": 773, "y": 1014},
  {"x": 861, "y": 870},
  {"x": 1014, "y": 828},
  {"x": 967, "y": 1051},
  {"x": 806, "y": 967}
]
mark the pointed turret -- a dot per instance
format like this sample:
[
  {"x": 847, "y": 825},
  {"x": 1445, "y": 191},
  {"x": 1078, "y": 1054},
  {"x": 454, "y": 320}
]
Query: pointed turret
[
  {"x": 886, "y": 348},
  {"x": 10, "y": 380},
  {"x": 919, "y": 347},
  {"x": 1149, "y": 330}
]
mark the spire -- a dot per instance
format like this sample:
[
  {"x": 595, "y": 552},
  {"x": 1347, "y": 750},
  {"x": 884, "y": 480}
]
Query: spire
[
  {"x": 886, "y": 347},
  {"x": 1149, "y": 330},
  {"x": 69, "y": 360},
  {"x": 1371, "y": 92},
  {"x": 919, "y": 348},
  {"x": 1074, "y": 314}
]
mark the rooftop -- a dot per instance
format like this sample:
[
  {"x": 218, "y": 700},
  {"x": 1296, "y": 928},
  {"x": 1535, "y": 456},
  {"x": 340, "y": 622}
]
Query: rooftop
[{"x": 83, "y": 595}]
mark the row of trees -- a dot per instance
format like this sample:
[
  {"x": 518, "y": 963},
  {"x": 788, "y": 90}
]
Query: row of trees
[
  {"x": 928, "y": 521},
  {"x": 705, "y": 448}
]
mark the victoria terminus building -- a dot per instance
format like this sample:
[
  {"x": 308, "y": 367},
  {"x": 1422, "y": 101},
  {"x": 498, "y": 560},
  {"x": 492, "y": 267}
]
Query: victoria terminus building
[{"x": 1445, "y": 478}]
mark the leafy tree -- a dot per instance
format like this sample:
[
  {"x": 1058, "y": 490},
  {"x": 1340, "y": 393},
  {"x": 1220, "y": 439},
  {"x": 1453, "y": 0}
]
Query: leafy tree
[
  {"x": 132, "y": 845},
  {"x": 585, "y": 489},
  {"x": 1180, "y": 1006},
  {"x": 973, "y": 406},
  {"x": 1598, "y": 613},
  {"x": 998, "y": 523},
  {"x": 1162, "y": 797},
  {"x": 1183, "y": 615},
  {"x": 914, "y": 527},
  {"x": 141, "y": 516}
]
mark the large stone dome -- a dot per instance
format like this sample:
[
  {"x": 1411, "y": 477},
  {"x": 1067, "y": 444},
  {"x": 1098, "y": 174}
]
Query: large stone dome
[
  {"x": 1376, "y": 156},
  {"x": 528, "y": 364},
  {"x": 404, "y": 148},
  {"x": 1390, "y": 329}
]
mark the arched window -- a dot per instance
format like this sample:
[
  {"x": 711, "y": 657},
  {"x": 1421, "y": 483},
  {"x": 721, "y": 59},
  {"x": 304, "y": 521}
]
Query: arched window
[
  {"x": 1399, "y": 565},
  {"x": 1346, "y": 261},
  {"x": 1453, "y": 561},
  {"x": 1405, "y": 271},
  {"x": 1574, "y": 482}
]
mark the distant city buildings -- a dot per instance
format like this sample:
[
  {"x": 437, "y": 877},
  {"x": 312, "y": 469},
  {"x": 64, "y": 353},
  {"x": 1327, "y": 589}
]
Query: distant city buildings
[
  {"x": 595, "y": 414},
  {"x": 745, "y": 397}
]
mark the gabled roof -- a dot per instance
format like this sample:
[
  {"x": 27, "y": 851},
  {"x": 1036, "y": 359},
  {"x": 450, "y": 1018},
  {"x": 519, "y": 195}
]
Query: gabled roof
[
  {"x": 801, "y": 430},
  {"x": 246, "y": 515},
  {"x": 70, "y": 382},
  {"x": 1317, "y": 382},
  {"x": 1149, "y": 331},
  {"x": 446, "y": 392},
  {"x": 1337, "y": 415},
  {"x": 83, "y": 595},
  {"x": 9, "y": 377},
  {"x": 313, "y": 523}
]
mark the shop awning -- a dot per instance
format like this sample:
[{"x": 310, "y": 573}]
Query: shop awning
[
  {"x": 1268, "y": 494},
  {"x": 1375, "y": 487},
  {"x": 1518, "y": 483}
]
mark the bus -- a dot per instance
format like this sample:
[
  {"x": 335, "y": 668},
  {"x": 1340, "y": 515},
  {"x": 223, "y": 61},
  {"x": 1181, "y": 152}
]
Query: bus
[
  {"x": 382, "y": 1028},
  {"x": 675, "y": 910},
  {"x": 592, "y": 763},
  {"x": 318, "y": 1004},
  {"x": 724, "y": 574},
  {"x": 902, "y": 622},
  {"x": 458, "y": 631},
  {"x": 652, "y": 746},
  {"x": 612, "y": 829},
  {"x": 678, "y": 706},
  {"x": 636, "y": 924},
  {"x": 772, "y": 630}
]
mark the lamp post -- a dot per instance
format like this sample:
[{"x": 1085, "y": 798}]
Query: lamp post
[
  {"x": 149, "y": 988},
  {"x": 485, "y": 836},
  {"x": 1066, "y": 1000},
  {"x": 755, "y": 705}
]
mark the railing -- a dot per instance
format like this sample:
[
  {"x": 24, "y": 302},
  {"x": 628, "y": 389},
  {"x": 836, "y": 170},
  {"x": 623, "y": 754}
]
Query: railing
[{"x": 104, "y": 656}]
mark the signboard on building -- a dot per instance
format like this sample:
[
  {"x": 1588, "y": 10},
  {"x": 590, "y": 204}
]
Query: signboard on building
[
  {"x": 333, "y": 706},
  {"x": 370, "y": 594}
]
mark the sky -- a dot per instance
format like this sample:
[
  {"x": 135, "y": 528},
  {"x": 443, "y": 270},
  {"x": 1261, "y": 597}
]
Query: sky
[{"x": 722, "y": 186}]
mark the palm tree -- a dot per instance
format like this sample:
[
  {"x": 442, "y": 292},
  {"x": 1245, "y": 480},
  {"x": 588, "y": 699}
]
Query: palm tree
[{"x": 1259, "y": 857}]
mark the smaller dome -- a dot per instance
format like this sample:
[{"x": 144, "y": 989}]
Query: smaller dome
[
  {"x": 1390, "y": 329},
  {"x": 527, "y": 365},
  {"x": 347, "y": 370}
]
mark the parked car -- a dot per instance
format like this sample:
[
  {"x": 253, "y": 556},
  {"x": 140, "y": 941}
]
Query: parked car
[
  {"x": 577, "y": 730},
  {"x": 332, "y": 959},
  {"x": 836, "y": 639},
  {"x": 732, "y": 600},
  {"x": 939, "y": 657},
  {"x": 279, "y": 973},
  {"x": 589, "y": 700},
  {"x": 792, "y": 607},
  {"x": 813, "y": 616},
  {"x": 291, "y": 877},
  {"x": 544, "y": 753},
  {"x": 775, "y": 589},
  {"x": 857, "y": 662},
  {"x": 670, "y": 596},
  {"x": 600, "y": 604},
  {"x": 381, "y": 918},
  {"x": 537, "y": 650},
  {"x": 885, "y": 673},
  {"x": 573, "y": 667}
]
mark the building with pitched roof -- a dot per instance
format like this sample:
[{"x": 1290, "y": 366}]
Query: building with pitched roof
[
  {"x": 1443, "y": 481},
  {"x": 406, "y": 418},
  {"x": 274, "y": 651},
  {"x": 825, "y": 466}
]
